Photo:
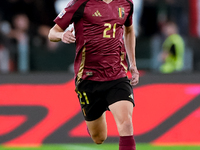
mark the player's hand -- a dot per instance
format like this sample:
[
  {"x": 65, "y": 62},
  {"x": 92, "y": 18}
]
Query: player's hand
[
  {"x": 68, "y": 37},
  {"x": 135, "y": 75}
]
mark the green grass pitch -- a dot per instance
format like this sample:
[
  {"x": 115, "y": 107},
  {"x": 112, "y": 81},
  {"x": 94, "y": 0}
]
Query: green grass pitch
[{"x": 99, "y": 147}]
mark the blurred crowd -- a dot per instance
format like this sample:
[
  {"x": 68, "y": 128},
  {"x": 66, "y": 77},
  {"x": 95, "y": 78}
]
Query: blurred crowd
[
  {"x": 164, "y": 37},
  {"x": 24, "y": 26}
]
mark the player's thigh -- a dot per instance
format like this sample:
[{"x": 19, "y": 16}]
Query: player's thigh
[
  {"x": 121, "y": 101},
  {"x": 122, "y": 112},
  {"x": 98, "y": 127}
]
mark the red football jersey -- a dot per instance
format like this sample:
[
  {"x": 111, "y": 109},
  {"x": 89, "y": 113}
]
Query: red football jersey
[{"x": 100, "y": 52}]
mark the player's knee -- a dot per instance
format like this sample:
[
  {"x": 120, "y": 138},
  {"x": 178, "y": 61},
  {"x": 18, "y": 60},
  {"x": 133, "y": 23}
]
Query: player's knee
[
  {"x": 99, "y": 139},
  {"x": 126, "y": 127}
]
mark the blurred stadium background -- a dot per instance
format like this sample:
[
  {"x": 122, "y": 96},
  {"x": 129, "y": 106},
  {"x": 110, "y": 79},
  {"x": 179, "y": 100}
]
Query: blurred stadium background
[{"x": 39, "y": 108}]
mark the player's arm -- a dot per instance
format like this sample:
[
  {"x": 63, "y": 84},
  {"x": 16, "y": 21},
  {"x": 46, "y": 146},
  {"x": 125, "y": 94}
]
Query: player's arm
[
  {"x": 129, "y": 40},
  {"x": 57, "y": 34}
]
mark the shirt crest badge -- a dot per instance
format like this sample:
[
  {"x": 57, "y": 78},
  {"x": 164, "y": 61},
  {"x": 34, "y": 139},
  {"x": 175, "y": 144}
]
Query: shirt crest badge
[{"x": 121, "y": 12}]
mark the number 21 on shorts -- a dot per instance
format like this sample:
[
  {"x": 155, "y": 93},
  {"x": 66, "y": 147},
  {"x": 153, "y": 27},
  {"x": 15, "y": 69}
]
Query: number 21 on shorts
[{"x": 83, "y": 98}]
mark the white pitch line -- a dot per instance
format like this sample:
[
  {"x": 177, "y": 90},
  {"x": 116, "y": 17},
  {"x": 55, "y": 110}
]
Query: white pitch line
[{"x": 77, "y": 147}]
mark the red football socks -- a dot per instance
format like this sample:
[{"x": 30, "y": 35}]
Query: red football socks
[{"x": 127, "y": 143}]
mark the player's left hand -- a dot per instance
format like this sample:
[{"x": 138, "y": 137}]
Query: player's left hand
[{"x": 135, "y": 75}]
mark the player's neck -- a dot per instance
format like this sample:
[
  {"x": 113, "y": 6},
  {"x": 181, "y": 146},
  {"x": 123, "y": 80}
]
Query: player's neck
[{"x": 107, "y": 1}]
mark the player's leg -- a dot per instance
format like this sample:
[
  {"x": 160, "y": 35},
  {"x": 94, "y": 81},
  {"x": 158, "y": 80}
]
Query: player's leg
[
  {"x": 98, "y": 129},
  {"x": 93, "y": 106},
  {"x": 122, "y": 112},
  {"x": 121, "y": 104}
]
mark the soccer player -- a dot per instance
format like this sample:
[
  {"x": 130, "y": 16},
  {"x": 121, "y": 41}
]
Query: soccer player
[{"x": 100, "y": 64}]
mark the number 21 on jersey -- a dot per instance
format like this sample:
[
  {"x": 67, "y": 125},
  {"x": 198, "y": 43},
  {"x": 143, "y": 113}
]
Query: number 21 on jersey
[{"x": 109, "y": 27}]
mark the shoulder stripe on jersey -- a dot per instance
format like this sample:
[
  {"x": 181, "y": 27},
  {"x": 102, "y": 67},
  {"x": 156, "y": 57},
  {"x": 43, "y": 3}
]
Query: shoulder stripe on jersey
[
  {"x": 131, "y": 11},
  {"x": 79, "y": 12}
]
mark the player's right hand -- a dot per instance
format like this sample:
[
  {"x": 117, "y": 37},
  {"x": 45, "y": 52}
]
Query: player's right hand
[{"x": 68, "y": 37}]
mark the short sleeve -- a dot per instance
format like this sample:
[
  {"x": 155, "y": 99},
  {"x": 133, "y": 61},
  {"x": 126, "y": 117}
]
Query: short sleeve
[
  {"x": 69, "y": 14},
  {"x": 129, "y": 19}
]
